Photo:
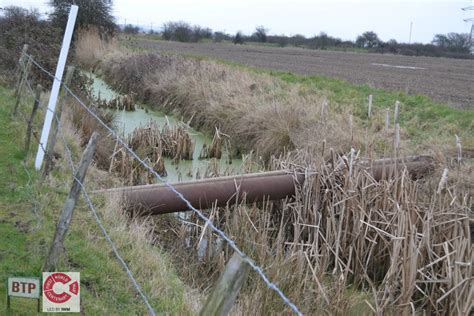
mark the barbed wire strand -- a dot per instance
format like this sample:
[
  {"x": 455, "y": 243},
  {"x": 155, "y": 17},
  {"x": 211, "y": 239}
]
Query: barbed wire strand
[
  {"x": 94, "y": 212},
  {"x": 230, "y": 242}
]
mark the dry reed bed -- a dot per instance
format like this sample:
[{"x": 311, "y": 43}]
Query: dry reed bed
[
  {"x": 346, "y": 244},
  {"x": 152, "y": 146},
  {"x": 125, "y": 103},
  {"x": 146, "y": 142},
  {"x": 110, "y": 154},
  {"x": 176, "y": 142}
]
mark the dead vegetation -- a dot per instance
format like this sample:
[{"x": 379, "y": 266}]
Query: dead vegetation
[
  {"x": 119, "y": 103},
  {"x": 90, "y": 48},
  {"x": 146, "y": 143},
  {"x": 87, "y": 124},
  {"x": 214, "y": 150},
  {"x": 346, "y": 244},
  {"x": 357, "y": 245},
  {"x": 176, "y": 142}
]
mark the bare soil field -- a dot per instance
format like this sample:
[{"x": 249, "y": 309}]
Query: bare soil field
[{"x": 446, "y": 80}]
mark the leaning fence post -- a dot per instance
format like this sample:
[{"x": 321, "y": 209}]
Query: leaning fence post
[
  {"x": 48, "y": 119},
  {"x": 32, "y": 117},
  {"x": 22, "y": 83},
  {"x": 55, "y": 124},
  {"x": 21, "y": 67},
  {"x": 222, "y": 297},
  {"x": 68, "y": 209}
]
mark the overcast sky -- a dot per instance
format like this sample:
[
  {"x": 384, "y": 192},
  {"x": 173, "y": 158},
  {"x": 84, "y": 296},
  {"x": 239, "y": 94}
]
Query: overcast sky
[{"x": 345, "y": 19}]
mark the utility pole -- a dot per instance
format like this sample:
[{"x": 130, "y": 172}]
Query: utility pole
[
  {"x": 471, "y": 35},
  {"x": 411, "y": 28}
]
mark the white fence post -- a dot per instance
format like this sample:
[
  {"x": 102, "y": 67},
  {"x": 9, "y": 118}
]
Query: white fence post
[
  {"x": 56, "y": 85},
  {"x": 369, "y": 110}
]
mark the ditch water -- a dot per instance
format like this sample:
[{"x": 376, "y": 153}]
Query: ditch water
[{"x": 186, "y": 169}]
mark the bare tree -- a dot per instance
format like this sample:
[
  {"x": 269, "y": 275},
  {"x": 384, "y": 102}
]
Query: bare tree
[{"x": 260, "y": 34}]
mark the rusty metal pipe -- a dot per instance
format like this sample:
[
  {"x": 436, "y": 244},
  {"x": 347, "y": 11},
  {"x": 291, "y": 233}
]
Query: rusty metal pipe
[
  {"x": 275, "y": 185},
  {"x": 204, "y": 194},
  {"x": 417, "y": 166}
]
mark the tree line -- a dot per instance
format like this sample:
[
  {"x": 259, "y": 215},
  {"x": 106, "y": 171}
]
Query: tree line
[{"x": 454, "y": 45}]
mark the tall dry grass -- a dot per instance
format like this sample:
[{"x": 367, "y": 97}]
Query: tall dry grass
[{"x": 90, "y": 47}]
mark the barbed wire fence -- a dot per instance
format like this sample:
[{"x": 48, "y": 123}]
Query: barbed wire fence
[
  {"x": 232, "y": 244},
  {"x": 70, "y": 161}
]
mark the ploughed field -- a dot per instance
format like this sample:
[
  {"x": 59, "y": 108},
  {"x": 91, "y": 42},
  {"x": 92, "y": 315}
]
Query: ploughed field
[{"x": 446, "y": 80}]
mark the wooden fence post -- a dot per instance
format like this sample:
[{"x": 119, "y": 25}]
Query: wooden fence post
[
  {"x": 387, "y": 119},
  {"x": 369, "y": 110},
  {"x": 22, "y": 83},
  {"x": 351, "y": 129},
  {"x": 32, "y": 117},
  {"x": 55, "y": 126},
  {"x": 397, "y": 112},
  {"x": 225, "y": 292},
  {"x": 57, "y": 245},
  {"x": 459, "y": 149},
  {"x": 21, "y": 67}
]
